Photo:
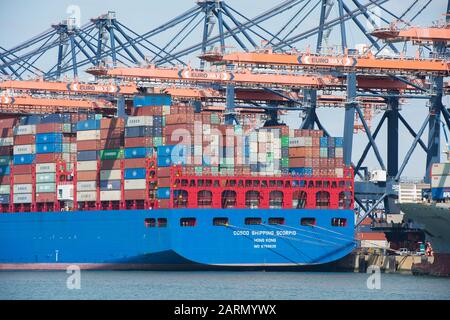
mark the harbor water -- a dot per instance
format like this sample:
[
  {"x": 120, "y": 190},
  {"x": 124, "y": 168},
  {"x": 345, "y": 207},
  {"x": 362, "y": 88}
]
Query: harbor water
[{"x": 139, "y": 285}]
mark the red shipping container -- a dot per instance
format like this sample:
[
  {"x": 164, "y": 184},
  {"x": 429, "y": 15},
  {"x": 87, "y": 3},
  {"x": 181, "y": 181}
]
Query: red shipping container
[
  {"x": 45, "y": 197},
  {"x": 134, "y": 195},
  {"x": 25, "y": 139},
  {"x": 147, "y": 111},
  {"x": 111, "y": 123},
  {"x": 48, "y": 157},
  {"x": 5, "y": 151},
  {"x": 111, "y": 134},
  {"x": 297, "y": 162},
  {"x": 110, "y": 144},
  {"x": 164, "y": 203},
  {"x": 316, "y": 152},
  {"x": 135, "y": 163},
  {"x": 22, "y": 169},
  {"x": 163, "y": 171},
  {"x": 49, "y": 127},
  {"x": 88, "y": 145},
  {"x": 110, "y": 165},
  {"x": 138, "y": 142},
  {"x": 22, "y": 178},
  {"x": 87, "y": 175},
  {"x": 323, "y": 162},
  {"x": 9, "y": 122},
  {"x": 163, "y": 182},
  {"x": 6, "y": 132},
  {"x": 5, "y": 179}
]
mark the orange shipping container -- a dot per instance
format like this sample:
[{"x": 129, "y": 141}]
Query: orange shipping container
[
  {"x": 45, "y": 197},
  {"x": 110, "y": 165},
  {"x": 296, "y": 162},
  {"x": 23, "y": 179},
  {"x": 87, "y": 175},
  {"x": 111, "y": 123},
  {"x": 298, "y": 152},
  {"x": 134, "y": 195},
  {"x": 87, "y": 145}
]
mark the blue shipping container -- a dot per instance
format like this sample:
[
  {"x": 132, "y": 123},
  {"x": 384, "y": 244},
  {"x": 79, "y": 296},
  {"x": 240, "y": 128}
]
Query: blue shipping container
[
  {"x": 106, "y": 185},
  {"x": 339, "y": 142},
  {"x": 152, "y": 100},
  {"x": 164, "y": 161},
  {"x": 88, "y": 125},
  {"x": 134, "y": 132},
  {"x": 54, "y": 137},
  {"x": 5, "y": 170},
  {"x": 135, "y": 173},
  {"x": 4, "y": 198},
  {"x": 178, "y": 150},
  {"x": 308, "y": 172},
  {"x": 163, "y": 193},
  {"x": 23, "y": 159},
  {"x": 90, "y": 155},
  {"x": 299, "y": 172},
  {"x": 440, "y": 193},
  {"x": 134, "y": 153},
  {"x": 324, "y": 142},
  {"x": 48, "y": 148}
]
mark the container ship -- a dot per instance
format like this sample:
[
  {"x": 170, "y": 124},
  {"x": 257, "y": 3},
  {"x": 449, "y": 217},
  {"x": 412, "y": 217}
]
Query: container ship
[
  {"x": 168, "y": 187},
  {"x": 434, "y": 214}
]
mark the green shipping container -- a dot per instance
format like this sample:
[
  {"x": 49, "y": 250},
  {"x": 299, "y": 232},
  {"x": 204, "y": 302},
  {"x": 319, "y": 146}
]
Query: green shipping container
[
  {"x": 113, "y": 154},
  {"x": 157, "y": 141},
  {"x": 45, "y": 187},
  {"x": 198, "y": 171},
  {"x": 284, "y": 141},
  {"x": 5, "y": 160},
  {"x": 45, "y": 177},
  {"x": 67, "y": 127},
  {"x": 5, "y": 189},
  {"x": 285, "y": 162}
]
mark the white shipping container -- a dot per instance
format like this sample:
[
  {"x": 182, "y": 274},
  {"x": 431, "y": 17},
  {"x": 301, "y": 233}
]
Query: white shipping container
[
  {"x": 339, "y": 152},
  {"x": 86, "y": 185},
  {"x": 45, "y": 167},
  {"x": 440, "y": 181},
  {"x": 440, "y": 169},
  {"x": 8, "y": 141},
  {"x": 65, "y": 192},
  {"x": 88, "y": 135},
  {"x": 139, "y": 121},
  {"x": 296, "y": 142},
  {"x": 22, "y": 198},
  {"x": 110, "y": 175},
  {"x": 86, "y": 165},
  {"x": 135, "y": 184},
  {"x": 73, "y": 147},
  {"x": 86, "y": 196},
  {"x": 112, "y": 195},
  {"x": 308, "y": 141},
  {"x": 24, "y": 149},
  {"x": 23, "y": 188},
  {"x": 339, "y": 172},
  {"x": 5, "y": 189},
  {"x": 23, "y": 130}
]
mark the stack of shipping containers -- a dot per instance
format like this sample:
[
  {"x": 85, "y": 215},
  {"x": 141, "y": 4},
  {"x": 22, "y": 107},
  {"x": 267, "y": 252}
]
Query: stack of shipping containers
[
  {"x": 88, "y": 142},
  {"x": 24, "y": 155},
  {"x": 6, "y": 146},
  {"x": 128, "y": 162}
]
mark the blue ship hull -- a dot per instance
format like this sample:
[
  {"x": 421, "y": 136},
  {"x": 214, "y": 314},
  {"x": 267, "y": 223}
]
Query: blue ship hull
[{"x": 121, "y": 240}]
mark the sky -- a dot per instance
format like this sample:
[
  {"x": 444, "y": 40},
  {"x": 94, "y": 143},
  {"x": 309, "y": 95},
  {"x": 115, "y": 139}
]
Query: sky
[{"x": 21, "y": 19}]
